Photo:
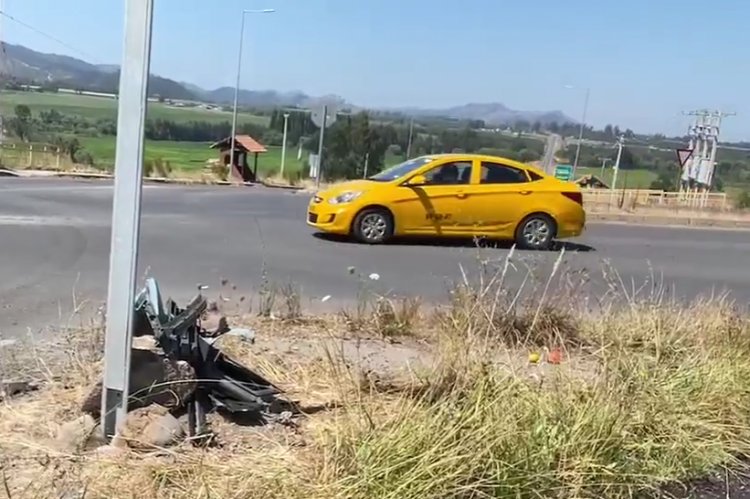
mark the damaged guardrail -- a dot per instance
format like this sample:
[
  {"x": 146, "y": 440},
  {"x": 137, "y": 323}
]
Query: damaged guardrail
[{"x": 189, "y": 373}]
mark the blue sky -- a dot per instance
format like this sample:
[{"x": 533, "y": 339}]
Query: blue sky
[{"x": 645, "y": 61}]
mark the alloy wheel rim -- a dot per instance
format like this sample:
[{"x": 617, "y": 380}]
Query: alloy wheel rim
[
  {"x": 374, "y": 226},
  {"x": 536, "y": 232}
]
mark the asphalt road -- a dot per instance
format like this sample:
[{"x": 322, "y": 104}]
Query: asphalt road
[{"x": 54, "y": 245}]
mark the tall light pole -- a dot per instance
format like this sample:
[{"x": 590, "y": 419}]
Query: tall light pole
[
  {"x": 283, "y": 145},
  {"x": 580, "y": 131},
  {"x": 237, "y": 83},
  {"x": 616, "y": 168},
  {"x": 408, "y": 144}
]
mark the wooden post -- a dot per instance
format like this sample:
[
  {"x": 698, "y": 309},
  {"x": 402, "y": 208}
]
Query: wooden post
[
  {"x": 57, "y": 159},
  {"x": 255, "y": 168},
  {"x": 31, "y": 155}
]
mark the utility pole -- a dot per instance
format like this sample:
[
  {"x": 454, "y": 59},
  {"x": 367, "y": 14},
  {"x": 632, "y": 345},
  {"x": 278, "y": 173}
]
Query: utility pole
[
  {"x": 698, "y": 171},
  {"x": 580, "y": 132},
  {"x": 320, "y": 148},
  {"x": 367, "y": 162},
  {"x": 283, "y": 145},
  {"x": 408, "y": 144},
  {"x": 237, "y": 84},
  {"x": 616, "y": 168}
]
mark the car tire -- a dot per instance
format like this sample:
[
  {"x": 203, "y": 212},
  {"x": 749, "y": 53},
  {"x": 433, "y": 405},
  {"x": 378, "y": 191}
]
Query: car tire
[
  {"x": 536, "y": 232},
  {"x": 373, "y": 226}
]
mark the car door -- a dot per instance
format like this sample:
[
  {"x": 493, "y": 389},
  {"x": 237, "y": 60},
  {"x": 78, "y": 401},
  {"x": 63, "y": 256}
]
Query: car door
[
  {"x": 439, "y": 205},
  {"x": 500, "y": 198}
]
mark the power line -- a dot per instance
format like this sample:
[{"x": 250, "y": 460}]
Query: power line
[{"x": 45, "y": 34}]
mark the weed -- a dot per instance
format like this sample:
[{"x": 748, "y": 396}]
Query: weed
[
  {"x": 266, "y": 296},
  {"x": 292, "y": 301}
]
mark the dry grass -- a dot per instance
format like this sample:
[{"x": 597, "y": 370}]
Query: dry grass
[{"x": 649, "y": 392}]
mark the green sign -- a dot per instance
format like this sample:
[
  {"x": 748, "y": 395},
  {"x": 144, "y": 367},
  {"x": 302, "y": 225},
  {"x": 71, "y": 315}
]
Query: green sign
[{"x": 564, "y": 172}]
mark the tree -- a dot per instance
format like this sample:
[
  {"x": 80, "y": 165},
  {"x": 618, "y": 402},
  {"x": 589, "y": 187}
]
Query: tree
[
  {"x": 628, "y": 161},
  {"x": 69, "y": 146},
  {"x": 20, "y": 124},
  {"x": 664, "y": 182}
]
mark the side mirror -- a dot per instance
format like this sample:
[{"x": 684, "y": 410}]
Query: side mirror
[{"x": 416, "y": 180}]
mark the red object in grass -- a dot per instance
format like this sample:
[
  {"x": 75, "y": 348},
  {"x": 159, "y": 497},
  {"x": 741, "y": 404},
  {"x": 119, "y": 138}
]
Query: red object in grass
[{"x": 554, "y": 356}]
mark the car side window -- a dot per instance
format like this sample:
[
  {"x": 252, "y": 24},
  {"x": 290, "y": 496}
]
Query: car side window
[
  {"x": 496, "y": 173},
  {"x": 453, "y": 173}
]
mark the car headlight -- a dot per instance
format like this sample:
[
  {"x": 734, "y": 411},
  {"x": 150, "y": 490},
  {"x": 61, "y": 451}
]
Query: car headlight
[{"x": 345, "y": 197}]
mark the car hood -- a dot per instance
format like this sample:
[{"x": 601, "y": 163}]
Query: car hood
[{"x": 352, "y": 185}]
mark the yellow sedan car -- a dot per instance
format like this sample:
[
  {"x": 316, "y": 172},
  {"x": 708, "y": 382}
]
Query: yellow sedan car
[{"x": 453, "y": 195}]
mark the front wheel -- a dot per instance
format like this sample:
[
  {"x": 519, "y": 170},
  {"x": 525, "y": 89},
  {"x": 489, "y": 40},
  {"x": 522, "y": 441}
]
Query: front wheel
[
  {"x": 373, "y": 226},
  {"x": 536, "y": 232}
]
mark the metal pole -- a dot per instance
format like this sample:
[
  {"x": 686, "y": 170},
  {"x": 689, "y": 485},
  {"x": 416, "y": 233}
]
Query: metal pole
[
  {"x": 126, "y": 211},
  {"x": 2, "y": 65},
  {"x": 367, "y": 161},
  {"x": 320, "y": 148},
  {"x": 236, "y": 97},
  {"x": 580, "y": 132},
  {"x": 408, "y": 144},
  {"x": 283, "y": 145},
  {"x": 617, "y": 163}
]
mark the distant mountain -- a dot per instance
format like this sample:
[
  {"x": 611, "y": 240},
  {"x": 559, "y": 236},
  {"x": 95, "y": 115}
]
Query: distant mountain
[
  {"x": 492, "y": 114},
  {"x": 271, "y": 98},
  {"x": 498, "y": 114},
  {"x": 30, "y": 66}
]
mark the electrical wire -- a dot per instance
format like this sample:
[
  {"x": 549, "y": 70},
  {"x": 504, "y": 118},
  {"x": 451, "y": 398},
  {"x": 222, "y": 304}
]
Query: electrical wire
[{"x": 38, "y": 31}]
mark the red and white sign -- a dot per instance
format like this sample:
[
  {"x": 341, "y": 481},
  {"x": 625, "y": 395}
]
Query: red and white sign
[{"x": 683, "y": 155}]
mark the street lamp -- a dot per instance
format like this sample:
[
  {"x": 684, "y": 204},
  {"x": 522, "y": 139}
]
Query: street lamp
[
  {"x": 283, "y": 145},
  {"x": 580, "y": 132},
  {"x": 237, "y": 84}
]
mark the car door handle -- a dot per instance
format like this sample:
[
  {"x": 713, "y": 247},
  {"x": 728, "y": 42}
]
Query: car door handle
[
  {"x": 461, "y": 195},
  {"x": 525, "y": 193}
]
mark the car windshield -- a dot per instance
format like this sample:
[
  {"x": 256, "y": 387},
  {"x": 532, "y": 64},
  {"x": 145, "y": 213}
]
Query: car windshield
[{"x": 400, "y": 170}]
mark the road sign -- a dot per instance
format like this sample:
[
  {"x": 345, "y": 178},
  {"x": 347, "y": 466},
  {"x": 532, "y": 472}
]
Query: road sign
[
  {"x": 317, "y": 116},
  {"x": 314, "y": 162},
  {"x": 683, "y": 155},
  {"x": 564, "y": 172},
  {"x": 126, "y": 211}
]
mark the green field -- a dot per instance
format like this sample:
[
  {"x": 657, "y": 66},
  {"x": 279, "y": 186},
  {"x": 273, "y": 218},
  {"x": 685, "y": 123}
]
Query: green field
[
  {"x": 188, "y": 155},
  {"x": 626, "y": 179},
  {"x": 104, "y": 107}
]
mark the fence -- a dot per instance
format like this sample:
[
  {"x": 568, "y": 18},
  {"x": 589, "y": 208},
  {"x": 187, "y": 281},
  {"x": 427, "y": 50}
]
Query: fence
[
  {"x": 630, "y": 199},
  {"x": 32, "y": 156}
]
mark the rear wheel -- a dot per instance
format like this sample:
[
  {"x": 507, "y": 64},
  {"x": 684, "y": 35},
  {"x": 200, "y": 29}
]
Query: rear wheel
[
  {"x": 536, "y": 232},
  {"x": 373, "y": 226}
]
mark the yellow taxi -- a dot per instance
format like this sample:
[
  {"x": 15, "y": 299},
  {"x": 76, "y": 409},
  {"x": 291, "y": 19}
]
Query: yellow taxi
[{"x": 453, "y": 195}]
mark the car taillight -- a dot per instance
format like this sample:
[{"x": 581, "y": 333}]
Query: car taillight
[{"x": 574, "y": 196}]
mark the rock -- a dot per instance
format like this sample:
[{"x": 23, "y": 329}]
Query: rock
[
  {"x": 154, "y": 379},
  {"x": 73, "y": 436},
  {"x": 145, "y": 343},
  {"x": 150, "y": 427},
  {"x": 244, "y": 334},
  {"x": 7, "y": 343},
  {"x": 215, "y": 324},
  {"x": 111, "y": 451},
  {"x": 10, "y": 388}
]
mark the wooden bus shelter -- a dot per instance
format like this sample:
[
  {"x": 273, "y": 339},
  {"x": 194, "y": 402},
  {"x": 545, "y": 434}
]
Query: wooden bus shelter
[{"x": 243, "y": 145}]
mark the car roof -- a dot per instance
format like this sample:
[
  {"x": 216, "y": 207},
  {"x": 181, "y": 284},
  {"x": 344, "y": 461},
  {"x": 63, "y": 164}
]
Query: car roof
[{"x": 486, "y": 157}]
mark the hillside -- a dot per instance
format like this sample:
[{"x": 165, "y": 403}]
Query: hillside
[{"x": 29, "y": 66}]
